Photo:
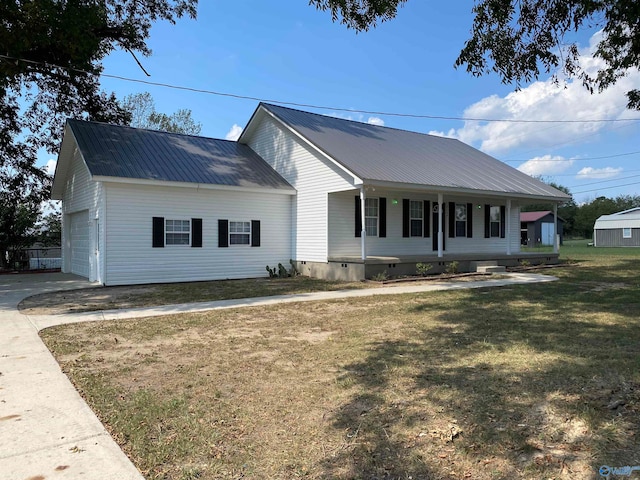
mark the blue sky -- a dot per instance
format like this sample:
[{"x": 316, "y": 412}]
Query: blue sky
[{"x": 289, "y": 51}]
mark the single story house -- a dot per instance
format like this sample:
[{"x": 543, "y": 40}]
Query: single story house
[
  {"x": 620, "y": 229},
  {"x": 342, "y": 199},
  {"x": 539, "y": 228}
]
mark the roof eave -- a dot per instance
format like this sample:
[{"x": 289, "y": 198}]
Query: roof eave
[
  {"x": 63, "y": 163},
  {"x": 466, "y": 191},
  {"x": 284, "y": 190}
]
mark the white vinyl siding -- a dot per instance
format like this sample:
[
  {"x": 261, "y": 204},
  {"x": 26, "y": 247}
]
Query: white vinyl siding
[
  {"x": 81, "y": 194},
  {"x": 79, "y": 243},
  {"x": 312, "y": 175},
  {"x": 344, "y": 243},
  {"x": 133, "y": 260}
]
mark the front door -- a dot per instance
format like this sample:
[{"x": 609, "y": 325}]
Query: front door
[{"x": 434, "y": 229}]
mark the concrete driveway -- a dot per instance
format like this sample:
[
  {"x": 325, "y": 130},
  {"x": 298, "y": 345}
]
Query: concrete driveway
[{"x": 46, "y": 430}]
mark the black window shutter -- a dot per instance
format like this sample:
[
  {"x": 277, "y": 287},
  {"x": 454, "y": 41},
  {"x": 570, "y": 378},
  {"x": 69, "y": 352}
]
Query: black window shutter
[
  {"x": 452, "y": 220},
  {"x": 255, "y": 233},
  {"x": 487, "y": 221},
  {"x": 223, "y": 233},
  {"x": 426, "y": 215},
  {"x": 196, "y": 232},
  {"x": 382, "y": 221},
  {"x": 158, "y": 232},
  {"x": 358, "y": 218},
  {"x": 469, "y": 220},
  {"x": 502, "y": 221},
  {"x": 406, "y": 217}
]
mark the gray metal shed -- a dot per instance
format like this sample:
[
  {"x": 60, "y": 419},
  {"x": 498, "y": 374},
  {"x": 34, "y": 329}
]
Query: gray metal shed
[{"x": 620, "y": 229}]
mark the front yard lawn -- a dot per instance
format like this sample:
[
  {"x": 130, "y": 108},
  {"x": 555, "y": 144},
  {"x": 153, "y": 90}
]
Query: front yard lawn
[{"x": 534, "y": 381}]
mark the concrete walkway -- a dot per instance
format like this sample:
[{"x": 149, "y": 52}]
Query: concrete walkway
[{"x": 47, "y": 430}]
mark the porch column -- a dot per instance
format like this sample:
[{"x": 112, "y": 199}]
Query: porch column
[
  {"x": 508, "y": 227},
  {"x": 363, "y": 236},
  {"x": 555, "y": 228},
  {"x": 440, "y": 234}
]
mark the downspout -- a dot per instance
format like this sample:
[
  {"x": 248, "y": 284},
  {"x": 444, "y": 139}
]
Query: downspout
[
  {"x": 440, "y": 234},
  {"x": 508, "y": 226},
  {"x": 363, "y": 234},
  {"x": 555, "y": 228}
]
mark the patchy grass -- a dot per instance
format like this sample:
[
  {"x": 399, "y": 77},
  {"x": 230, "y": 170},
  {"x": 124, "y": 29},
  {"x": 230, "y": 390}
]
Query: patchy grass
[
  {"x": 106, "y": 298},
  {"x": 535, "y": 381}
]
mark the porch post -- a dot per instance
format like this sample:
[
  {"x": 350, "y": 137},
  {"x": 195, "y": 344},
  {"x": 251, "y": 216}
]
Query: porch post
[
  {"x": 440, "y": 234},
  {"x": 556, "y": 237},
  {"x": 363, "y": 236},
  {"x": 508, "y": 227}
]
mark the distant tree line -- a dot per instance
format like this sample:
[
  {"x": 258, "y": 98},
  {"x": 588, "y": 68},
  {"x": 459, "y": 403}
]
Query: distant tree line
[{"x": 580, "y": 219}]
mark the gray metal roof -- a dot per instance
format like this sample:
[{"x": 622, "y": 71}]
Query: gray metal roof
[
  {"x": 119, "y": 151},
  {"x": 374, "y": 153}
]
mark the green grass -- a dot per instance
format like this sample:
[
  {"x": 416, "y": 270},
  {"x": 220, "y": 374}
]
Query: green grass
[{"x": 513, "y": 382}]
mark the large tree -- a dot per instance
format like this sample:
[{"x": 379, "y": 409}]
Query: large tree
[
  {"x": 143, "y": 112},
  {"x": 51, "y": 54},
  {"x": 520, "y": 39}
]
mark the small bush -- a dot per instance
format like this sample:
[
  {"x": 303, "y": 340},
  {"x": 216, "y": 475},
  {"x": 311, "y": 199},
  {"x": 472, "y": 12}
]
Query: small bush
[
  {"x": 525, "y": 263},
  {"x": 380, "y": 277},
  {"x": 452, "y": 267},
  {"x": 423, "y": 268},
  {"x": 272, "y": 272}
]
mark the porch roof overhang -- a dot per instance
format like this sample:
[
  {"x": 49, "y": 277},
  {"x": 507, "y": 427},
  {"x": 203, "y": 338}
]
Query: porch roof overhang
[{"x": 468, "y": 192}]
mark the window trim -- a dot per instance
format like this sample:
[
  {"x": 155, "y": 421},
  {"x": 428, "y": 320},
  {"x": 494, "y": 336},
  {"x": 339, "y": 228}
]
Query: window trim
[
  {"x": 465, "y": 221},
  {"x": 230, "y": 234},
  {"x": 167, "y": 232},
  {"x": 376, "y": 216},
  {"x": 624, "y": 229},
  {"x": 499, "y": 222},
  {"x": 420, "y": 233}
]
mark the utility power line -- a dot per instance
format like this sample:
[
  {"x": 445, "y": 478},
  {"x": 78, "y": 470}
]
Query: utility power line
[
  {"x": 308, "y": 105},
  {"x": 610, "y": 180},
  {"x": 606, "y": 188},
  {"x": 575, "y": 159}
]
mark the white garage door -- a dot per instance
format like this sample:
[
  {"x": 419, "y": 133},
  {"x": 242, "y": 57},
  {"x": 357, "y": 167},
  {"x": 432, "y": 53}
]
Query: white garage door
[{"x": 80, "y": 243}]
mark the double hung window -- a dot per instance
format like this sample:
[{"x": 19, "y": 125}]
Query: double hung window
[
  {"x": 371, "y": 215},
  {"x": 177, "y": 232},
  {"x": 239, "y": 233},
  {"x": 416, "y": 217}
]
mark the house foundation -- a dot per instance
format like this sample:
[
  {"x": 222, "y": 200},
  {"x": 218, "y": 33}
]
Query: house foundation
[{"x": 352, "y": 269}]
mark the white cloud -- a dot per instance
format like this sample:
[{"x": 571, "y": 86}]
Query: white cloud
[
  {"x": 376, "y": 121},
  {"x": 234, "y": 133},
  {"x": 546, "y": 165},
  {"x": 545, "y": 100},
  {"x": 51, "y": 167},
  {"x": 606, "y": 172}
]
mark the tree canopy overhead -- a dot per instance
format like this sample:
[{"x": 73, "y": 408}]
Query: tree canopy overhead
[
  {"x": 143, "y": 112},
  {"x": 520, "y": 39},
  {"x": 51, "y": 54},
  {"x": 50, "y": 60}
]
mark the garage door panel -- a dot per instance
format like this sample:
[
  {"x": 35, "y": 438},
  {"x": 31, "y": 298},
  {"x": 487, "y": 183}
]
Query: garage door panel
[{"x": 80, "y": 243}]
